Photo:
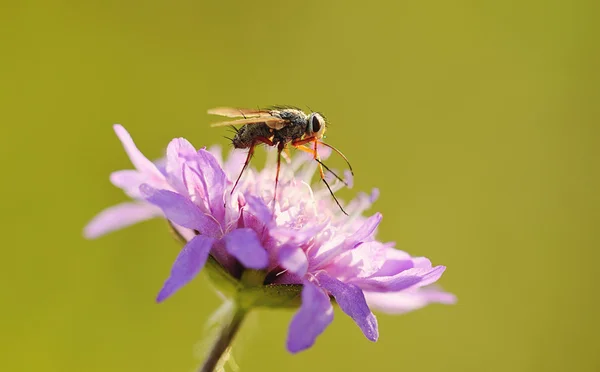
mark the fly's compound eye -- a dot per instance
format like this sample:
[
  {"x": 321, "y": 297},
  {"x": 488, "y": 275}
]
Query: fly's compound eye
[{"x": 315, "y": 123}]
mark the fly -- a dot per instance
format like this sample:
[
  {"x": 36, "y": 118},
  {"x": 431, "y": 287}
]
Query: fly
[{"x": 279, "y": 126}]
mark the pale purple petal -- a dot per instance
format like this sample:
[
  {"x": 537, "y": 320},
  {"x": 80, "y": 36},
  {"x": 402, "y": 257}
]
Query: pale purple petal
[
  {"x": 409, "y": 300},
  {"x": 294, "y": 259},
  {"x": 297, "y": 236},
  {"x": 181, "y": 210},
  {"x": 258, "y": 208},
  {"x": 374, "y": 195},
  {"x": 195, "y": 187},
  {"x": 215, "y": 180},
  {"x": 396, "y": 262},
  {"x": 217, "y": 152},
  {"x": 432, "y": 275},
  {"x": 311, "y": 319},
  {"x": 400, "y": 281},
  {"x": 250, "y": 220},
  {"x": 118, "y": 217},
  {"x": 244, "y": 245},
  {"x": 187, "y": 265},
  {"x": 139, "y": 161},
  {"x": 329, "y": 249},
  {"x": 179, "y": 151},
  {"x": 349, "y": 178},
  {"x": 129, "y": 181},
  {"x": 334, "y": 247},
  {"x": 352, "y": 301},
  {"x": 362, "y": 202},
  {"x": 363, "y": 261},
  {"x": 234, "y": 163},
  {"x": 422, "y": 262},
  {"x": 365, "y": 232}
]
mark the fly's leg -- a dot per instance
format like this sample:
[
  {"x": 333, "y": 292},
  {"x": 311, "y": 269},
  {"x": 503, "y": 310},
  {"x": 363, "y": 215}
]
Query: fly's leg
[
  {"x": 250, "y": 153},
  {"x": 280, "y": 148},
  {"x": 264, "y": 140},
  {"x": 299, "y": 145},
  {"x": 318, "y": 160}
]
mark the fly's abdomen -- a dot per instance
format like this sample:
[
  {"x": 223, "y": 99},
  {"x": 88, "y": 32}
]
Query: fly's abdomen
[
  {"x": 248, "y": 134},
  {"x": 240, "y": 141}
]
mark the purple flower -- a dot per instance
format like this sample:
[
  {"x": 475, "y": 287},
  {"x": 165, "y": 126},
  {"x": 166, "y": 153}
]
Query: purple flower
[{"x": 301, "y": 238}]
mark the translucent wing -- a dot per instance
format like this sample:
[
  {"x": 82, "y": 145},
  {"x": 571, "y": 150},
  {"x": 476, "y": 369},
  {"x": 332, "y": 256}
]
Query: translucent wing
[
  {"x": 270, "y": 121},
  {"x": 232, "y": 112}
]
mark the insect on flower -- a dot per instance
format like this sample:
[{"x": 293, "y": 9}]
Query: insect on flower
[{"x": 279, "y": 126}]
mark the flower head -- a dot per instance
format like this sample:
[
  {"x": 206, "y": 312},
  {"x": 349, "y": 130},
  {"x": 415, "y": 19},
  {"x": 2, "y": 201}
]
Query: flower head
[{"x": 300, "y": 238}]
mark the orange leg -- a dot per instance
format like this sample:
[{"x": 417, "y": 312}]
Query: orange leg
[
  {"x": 304, "y": 141},
  {"x": 316, "y": 141},
  {"x": 321, "y": 164}
]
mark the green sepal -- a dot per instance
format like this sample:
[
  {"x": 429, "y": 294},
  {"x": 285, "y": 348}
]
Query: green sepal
[
  {"x": 271, "y": 296},
  {"x": 221, "y": 279}
]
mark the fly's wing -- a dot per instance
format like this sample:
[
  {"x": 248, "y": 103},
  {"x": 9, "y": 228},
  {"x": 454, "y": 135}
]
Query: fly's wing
[
  {"x": 250, "y": 117},
  {"x": 232, "y": 112},
  {"x": 272, "y": 122}
]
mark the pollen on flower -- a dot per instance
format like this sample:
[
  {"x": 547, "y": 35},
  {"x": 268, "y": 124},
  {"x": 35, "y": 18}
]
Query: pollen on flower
[{"x": 300, "y": 238}]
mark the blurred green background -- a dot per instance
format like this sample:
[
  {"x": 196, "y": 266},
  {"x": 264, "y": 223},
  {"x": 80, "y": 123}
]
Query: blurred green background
[{"x": 478, "y": 121}]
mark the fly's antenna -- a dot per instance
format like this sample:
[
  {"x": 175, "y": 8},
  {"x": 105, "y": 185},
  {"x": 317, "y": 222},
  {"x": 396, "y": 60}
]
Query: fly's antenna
[
  {"x": 332, "y": 172},
  {"x": 340, "y": 154},
  {"x": 333, "y": 196}
]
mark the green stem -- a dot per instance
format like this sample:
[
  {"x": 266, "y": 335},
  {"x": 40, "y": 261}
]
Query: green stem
[{"x": 224, "y": 341}]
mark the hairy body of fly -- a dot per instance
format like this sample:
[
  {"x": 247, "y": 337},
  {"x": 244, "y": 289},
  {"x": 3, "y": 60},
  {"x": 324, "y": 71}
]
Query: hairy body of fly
[{"x": 295, "y": 130}]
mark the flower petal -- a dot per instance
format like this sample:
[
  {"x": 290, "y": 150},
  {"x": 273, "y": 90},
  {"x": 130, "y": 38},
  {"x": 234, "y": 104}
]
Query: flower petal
[
  {"x": 139, "y": 161},
  {"x": 294, "y": 259},
  {"x": 349, "y": 178},
  {"x": 409, "y": 300},
  {"x": 129, "y": 180},
  {"x": 259, "y": 209},
  {"x": 179, "y": 151},
  {"x": 374, "y": 195},
  {"x": 363, "y": 261},
  {"x": 244, "y": 245},
  {"x": 181, "y": 210},
  {"x": 333, "y": 248},
  {"x": 311, "y": 319},
  {"x": 352, "y": 301},
  {"x": 215, "y": 180},
  {"x": 234, "y": 163},
  {"x": 403, "y": 280},
  {"x": 187, "y": 265},
  {"x": 364, "y": 232},
  {"x": 396, "y": 261},
  {"x": 118, "y": 217},
  {"x": 195, "y": 187},
  {"x": 298, "y": 236}
]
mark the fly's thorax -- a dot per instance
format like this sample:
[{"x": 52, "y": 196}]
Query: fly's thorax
[
  {"x": 296, "y": 128},
  {"x": 294, "y": 116},
  {"x": 289, "y": 133}
]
